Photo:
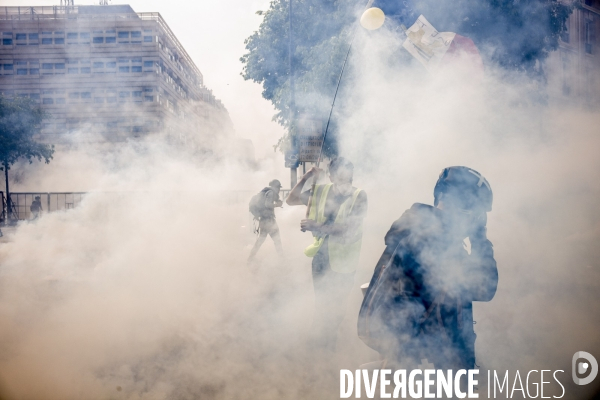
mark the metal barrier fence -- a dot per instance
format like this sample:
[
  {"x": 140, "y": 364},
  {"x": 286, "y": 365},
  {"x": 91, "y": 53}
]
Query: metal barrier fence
[
  {"x": 50, "y": 201},
  {"x": 56, "y": 201}
]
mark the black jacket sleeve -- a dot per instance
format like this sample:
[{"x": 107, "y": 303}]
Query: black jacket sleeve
[{"x": 482, "y": 272}]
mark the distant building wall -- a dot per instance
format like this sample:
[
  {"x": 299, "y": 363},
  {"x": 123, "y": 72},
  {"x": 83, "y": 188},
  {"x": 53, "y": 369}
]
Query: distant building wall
[
  {"x": 106, "y": 71},
  {"x": 574, "y": 69}
]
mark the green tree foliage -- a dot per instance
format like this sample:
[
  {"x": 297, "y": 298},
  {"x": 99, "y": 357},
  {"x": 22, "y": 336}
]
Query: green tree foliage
[
  {"x": 320, "y": 37},
  {"x": 514, "y": 34},
  {"x": 20, "y": 121}
]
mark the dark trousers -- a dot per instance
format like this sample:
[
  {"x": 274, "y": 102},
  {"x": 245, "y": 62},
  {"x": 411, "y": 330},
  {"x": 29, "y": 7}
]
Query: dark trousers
[{"x": 331, "y": 295}]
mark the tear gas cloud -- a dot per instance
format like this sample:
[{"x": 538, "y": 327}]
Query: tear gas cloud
[{"x": 142, "y": 291}]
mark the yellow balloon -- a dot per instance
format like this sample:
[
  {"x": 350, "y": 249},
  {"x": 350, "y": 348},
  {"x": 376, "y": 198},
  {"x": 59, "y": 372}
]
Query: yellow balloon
[{"x": 372, "y": 18}]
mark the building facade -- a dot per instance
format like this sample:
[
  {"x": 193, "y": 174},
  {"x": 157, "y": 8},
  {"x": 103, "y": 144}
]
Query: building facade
[
  {"x": 106, "y": 73},
  {"x": 574, "y": 69}
]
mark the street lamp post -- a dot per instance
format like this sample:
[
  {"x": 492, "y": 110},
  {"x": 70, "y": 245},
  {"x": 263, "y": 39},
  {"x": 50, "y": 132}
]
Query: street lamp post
[{"x": 293, "y": 168}]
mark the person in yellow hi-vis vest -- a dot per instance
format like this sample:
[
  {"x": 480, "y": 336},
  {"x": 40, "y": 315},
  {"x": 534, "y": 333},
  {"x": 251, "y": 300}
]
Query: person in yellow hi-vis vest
[{"x": 335, "y": 219}]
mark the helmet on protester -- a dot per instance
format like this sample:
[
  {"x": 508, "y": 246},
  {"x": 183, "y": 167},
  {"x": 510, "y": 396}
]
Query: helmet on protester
[
  {"x": 275, "y": 183},
  {"x": 340, "y": 163},
  {"x": 464, "y": 187}
]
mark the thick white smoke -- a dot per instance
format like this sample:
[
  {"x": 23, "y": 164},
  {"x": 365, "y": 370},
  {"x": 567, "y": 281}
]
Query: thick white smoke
[{"x": 142, "y": 292}]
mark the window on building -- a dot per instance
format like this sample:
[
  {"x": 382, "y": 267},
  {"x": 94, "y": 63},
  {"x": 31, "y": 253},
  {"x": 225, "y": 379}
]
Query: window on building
[
  {"x": 86, "y": 95},
  {"x": 123, "y": 35},
  {"x": 47, "y": 66},
  {"x": 565, "y": 34},
  {"x": 59, "y": 66},
  {"x": 34, "y": 71},
  {"x": 46, "y": 40},
  {"x": 21, "y": 71},
  {"x": 123, "y": 60},
  {"x": 86, "y": 70},
  {"x": 74, "y": 95},
  {"x": 6, "y": 42},
  {"x": 148, "y": 39},
  {"x": 123, "y": 69},
  {"x": 98, "y": 39},
  {"x": 59, "y": 41},
  {"x": 136, "y": 34},
  {"x": 21, "y": 36},
  {"x": 148, "y": 64},
  {"x": 148, "y": 98},
  {"x": 111, "y": 31},
  {"x": 136, "y": 60},
  {"x": 136, "y": 69},
  {"x": 8, "y": 67},
  {"x": 72, "y": 35},
  {"x": 33, "y": 36},
  {"x": 98, "y": 99},
  {"x": 590, "y": 36},
  {"x": 73, "y": 70},
  {"x": 98, "y": 65},
  {"x": 111, "y": 39},
  {"x": 20, "y": 62},
  {"x": 60, "y": 100},
  {"x": 111, "y": 64},
  {"x": 47, "y": 100},
  {"x": 137, "y": 93},
  {"x": 34, "y": 96},
  {"x": 84, "y": 35},
  {"x": 123, "y": 94}
]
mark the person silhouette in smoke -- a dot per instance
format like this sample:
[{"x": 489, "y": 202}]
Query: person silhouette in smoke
[
  {"x": 335, "y": 219},
  {"x": 36, "y": 207},
  {"x": 418, "y": 305},
  {"x": 267, "y": 225}
]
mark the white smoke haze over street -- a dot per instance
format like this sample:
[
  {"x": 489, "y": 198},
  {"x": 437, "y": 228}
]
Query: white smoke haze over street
[{"x": 142, "y": 292}]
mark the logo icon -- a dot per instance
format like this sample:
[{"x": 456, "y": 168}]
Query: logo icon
[{"x": 580, "y": 367}]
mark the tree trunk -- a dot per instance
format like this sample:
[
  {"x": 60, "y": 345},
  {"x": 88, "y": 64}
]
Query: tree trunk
[{"x": 8, "y": 203}]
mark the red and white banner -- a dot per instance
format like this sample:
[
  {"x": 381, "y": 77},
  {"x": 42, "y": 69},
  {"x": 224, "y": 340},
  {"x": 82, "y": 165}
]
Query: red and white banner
[{"x": 436, "y": 50}]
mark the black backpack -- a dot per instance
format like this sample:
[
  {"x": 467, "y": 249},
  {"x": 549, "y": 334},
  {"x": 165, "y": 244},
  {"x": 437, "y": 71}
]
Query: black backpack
[{"x": 257, "y": 203}]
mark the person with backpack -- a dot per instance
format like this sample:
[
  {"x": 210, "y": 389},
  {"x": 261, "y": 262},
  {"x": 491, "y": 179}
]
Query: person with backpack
[
  {"x": 335, "y": 218},
  {"x": 418, "y": 305},
  {"x": 262, "y": 207}
]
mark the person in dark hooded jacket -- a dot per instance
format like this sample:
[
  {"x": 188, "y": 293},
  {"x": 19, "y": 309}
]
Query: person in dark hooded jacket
[{"x": 437, "y": 261}]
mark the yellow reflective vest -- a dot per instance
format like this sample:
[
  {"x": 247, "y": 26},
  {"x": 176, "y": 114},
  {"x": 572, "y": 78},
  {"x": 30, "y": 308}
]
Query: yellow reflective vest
[{"x": 344, "y": 249}]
